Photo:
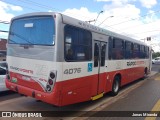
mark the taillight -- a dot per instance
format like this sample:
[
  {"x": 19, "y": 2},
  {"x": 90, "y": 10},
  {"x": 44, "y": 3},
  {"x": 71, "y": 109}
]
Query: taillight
[
  {"x": 51, "y": 81},
  {"x": 48, "y": 88},
  {"x": 52, "y": 75}
]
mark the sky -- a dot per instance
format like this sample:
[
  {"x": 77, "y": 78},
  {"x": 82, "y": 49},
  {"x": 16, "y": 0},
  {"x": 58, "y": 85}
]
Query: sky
[{"x": 138, "y": 19}]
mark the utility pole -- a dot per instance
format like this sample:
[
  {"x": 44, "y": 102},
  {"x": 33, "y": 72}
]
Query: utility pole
[
  {"x": 105, "y": 20},
  {"x": 98, "y": 16}
]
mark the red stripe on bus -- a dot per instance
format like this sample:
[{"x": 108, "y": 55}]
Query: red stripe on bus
[{"x": 78, "y": 89}]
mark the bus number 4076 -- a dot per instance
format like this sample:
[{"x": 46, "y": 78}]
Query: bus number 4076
[{"x": 72, "y": 71}]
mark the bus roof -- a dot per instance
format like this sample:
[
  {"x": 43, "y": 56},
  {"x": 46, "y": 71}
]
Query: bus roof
[{"x": 78, "y": 23}]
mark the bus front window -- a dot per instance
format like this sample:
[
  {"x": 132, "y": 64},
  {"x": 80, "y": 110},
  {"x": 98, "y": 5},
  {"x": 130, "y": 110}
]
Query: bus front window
[{"x": 33, "y": 30}]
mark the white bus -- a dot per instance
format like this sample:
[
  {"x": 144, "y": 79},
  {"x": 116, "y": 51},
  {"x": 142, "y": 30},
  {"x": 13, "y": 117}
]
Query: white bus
[{"x": 61, "y": 60}]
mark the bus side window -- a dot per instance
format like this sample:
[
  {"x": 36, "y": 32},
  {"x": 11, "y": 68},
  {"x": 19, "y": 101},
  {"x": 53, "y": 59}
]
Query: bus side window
[
  {"x": 77, "y": 44},
  {"x": 128, "y": 49},
  {"x": 118, "y": 49},
  {"x": 68, "y": 45},
  {"x": 136, "y": 50}
]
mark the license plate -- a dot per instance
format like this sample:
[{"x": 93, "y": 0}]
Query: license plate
[{"x": 26, "y": 78}]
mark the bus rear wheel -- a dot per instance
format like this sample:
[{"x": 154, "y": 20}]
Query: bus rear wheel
[
  {"x": 145, "y": 72},
  {"x": 115, "y": 86}
]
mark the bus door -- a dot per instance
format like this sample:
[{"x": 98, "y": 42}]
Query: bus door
[{"x": 99, "y": 64}]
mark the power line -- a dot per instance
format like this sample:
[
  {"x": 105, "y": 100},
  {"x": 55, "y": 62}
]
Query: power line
[
  {"x": 48, "y": 7},
  {"x": 105, "y": 20},
  {"x": 146, "y": 31},
  {"x": 36, "y": 4},
  {"x": 139, "y": 25},
  {"x": 135, "y": 18},
  {"x": 44, "y": 6},
  {"x": 4, "y": 31},
  {"x": 132, "y": 27},
  {"x": 4, "y": 22},
  {"x": 23, "y": 6}
]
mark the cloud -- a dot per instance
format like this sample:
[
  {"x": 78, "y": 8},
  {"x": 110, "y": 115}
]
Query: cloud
[
  {"x": 7, "y": 7},
  {"x": 16, "y": 8},
  {"x": 125, "y": 11},
  {"x": 5, "y": 11},
  {"x": 122, "y": 1},
  {"x": 82, "y": 14},
  {"x": 118, "y": 2},
  {"x": 50, "y": 11},
  {"x": 145, "y": 3},
  {"x": 126, "y": 20},
  {"x": 3, "y": 35},
  {"x": 148, "y": 3},
  {"x": 5, "y": 15}
]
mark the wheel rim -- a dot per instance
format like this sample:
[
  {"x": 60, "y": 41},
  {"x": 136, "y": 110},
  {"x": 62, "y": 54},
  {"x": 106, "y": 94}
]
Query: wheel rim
[{"x": 116, "y": 86}]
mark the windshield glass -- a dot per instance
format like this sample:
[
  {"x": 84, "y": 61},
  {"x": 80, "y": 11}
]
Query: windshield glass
[{"x": 33, "y": 30}]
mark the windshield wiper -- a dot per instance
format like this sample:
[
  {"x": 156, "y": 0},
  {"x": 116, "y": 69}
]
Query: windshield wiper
[{"x": 19, "y": 36}]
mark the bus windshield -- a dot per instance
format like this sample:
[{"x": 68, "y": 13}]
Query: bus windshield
[{"x": 33, "y": 30}]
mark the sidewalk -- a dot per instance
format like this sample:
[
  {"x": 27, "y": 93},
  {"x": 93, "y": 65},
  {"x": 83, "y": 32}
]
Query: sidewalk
[
  {"x": 142, "y": 97},
  {"x": 152, "y": 73}
]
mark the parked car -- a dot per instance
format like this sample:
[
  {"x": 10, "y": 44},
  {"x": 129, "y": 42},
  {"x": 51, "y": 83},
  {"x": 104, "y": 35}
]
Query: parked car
[
  {"x": 3, "y": 66},
  {"x": 156, "y": 60}
]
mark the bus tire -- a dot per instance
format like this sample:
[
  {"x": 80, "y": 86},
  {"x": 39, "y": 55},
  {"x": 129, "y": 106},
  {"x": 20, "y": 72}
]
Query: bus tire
[
  {"x": 115, "y": 86},
  {"x": 145, "y": 72}
]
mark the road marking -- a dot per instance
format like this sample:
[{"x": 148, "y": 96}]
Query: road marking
[
  {"x": 154, "y": 109},
  {"x": 157, "y": 78}
]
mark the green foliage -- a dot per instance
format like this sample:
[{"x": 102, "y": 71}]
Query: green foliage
[{"x": 156, "y": 54}]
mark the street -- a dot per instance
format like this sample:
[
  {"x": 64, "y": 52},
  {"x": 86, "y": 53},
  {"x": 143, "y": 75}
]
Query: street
[{"x": 141, "y": 95}]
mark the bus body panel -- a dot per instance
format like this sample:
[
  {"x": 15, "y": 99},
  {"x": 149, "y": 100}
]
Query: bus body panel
[
  {"x": 32, "y": 73},
  {"x": 74, "y": 90}
]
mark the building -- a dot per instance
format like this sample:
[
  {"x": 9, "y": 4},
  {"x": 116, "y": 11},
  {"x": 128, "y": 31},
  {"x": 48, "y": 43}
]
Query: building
[{"x": 3, "y": 49}]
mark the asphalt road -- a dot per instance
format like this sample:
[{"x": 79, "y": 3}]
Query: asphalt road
[
  {"x": 7, "y": 95},
  {"x": 156, "y": 67},
  {"x": 143, "y": 99}
]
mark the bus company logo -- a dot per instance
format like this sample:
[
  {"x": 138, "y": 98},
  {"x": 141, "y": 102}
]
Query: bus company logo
[
  {"x": 21, "y": 70},
  {"x": 133, "y": 63}
]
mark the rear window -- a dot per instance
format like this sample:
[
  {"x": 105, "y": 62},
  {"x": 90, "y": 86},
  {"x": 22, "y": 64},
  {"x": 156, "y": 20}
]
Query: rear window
[{"x": 33, "y": 30}]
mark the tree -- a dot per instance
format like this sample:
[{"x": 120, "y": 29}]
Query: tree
[{"x": 156, "y": 54}]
